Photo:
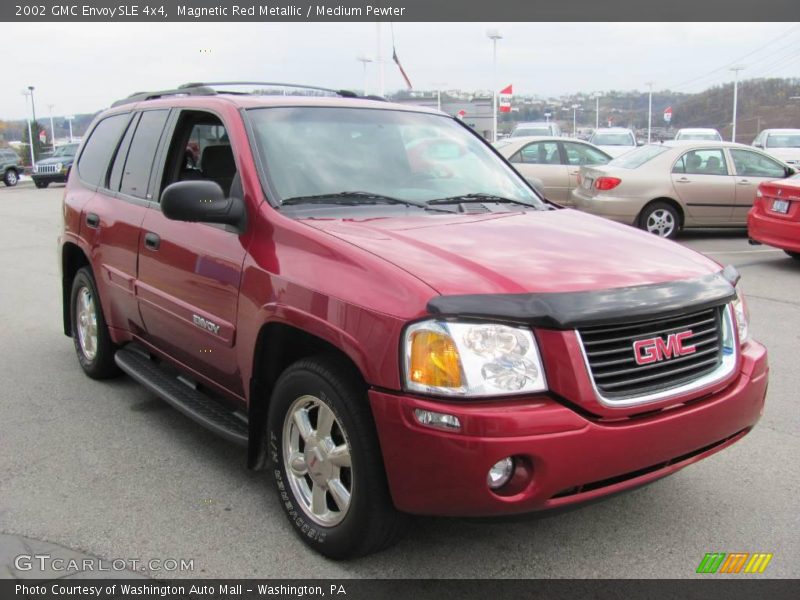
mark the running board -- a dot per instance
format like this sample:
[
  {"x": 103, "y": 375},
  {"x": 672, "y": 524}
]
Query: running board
[{"x": 178, "y": 392}]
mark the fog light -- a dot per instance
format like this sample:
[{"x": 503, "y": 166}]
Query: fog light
[
  {"x": 500, "y": 473},
  {"x": 435, "y": 419}
]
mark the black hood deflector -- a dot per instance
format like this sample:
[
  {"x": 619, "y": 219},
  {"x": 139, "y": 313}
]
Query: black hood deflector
[{"x": 570, "y": 310}]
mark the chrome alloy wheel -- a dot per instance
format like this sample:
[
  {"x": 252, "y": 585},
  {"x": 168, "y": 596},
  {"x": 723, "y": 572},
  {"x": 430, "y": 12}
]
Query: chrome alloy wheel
[
  {"x": 86, "y": 318},
  {"x": 661, "y": 222},
  {"x": 316, "y": 457},
  {"x": 11, "y": 178}
]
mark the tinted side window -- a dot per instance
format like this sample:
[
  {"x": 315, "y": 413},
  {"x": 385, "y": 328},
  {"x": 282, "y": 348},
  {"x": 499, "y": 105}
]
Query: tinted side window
[
  {"x": 142, "y": 153},
  {"x": 93, "y": 163},
  {"x": 702, "y": 162},
  {"x": 753, "y": 164},
  {"x": 581, "y": 154},
  {"x": 540, "y": 153},
  {"x": 122, "y": 153}
]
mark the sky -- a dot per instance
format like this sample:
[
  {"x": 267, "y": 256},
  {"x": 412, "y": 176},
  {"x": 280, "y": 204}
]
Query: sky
[{"x": 83, "y": 67}]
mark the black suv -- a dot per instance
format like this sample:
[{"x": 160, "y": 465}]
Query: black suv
[
  {"x": 55, "y": 168},
  {"x": 10, "y": 166}
]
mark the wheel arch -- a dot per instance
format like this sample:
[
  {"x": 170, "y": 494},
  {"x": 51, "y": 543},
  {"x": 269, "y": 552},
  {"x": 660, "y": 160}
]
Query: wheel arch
[
  {"x": 72, "y": 259},
  {"x": 279, "y": 345}
]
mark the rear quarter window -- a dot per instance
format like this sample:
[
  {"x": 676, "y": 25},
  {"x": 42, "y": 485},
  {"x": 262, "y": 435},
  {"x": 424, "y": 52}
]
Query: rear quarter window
[
  {"x": 99, "y": 149},
  {"x": 636, "y": 158}
]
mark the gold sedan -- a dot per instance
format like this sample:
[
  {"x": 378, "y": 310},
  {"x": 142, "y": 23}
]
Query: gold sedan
[
  {"x": 550, "y": 164},
  {"x": 663, "y": 188}
]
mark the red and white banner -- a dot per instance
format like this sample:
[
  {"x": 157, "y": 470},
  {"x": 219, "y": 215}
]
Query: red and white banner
[
  {"x": 668, "y": 114},
  {"x": 504, "y": 99},
  {"x": 461, "y": 114}
]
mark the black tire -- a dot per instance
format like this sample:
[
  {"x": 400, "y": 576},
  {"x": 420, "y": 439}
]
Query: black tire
[
  {"x": 101, "y": 364},
  {"x": 11, "y": 178},
  {"x": 661, "y": 219},
  {"x": 41, "y": 184},
  {"x": 794, "y": 255},
  {"x": 370, "y": 523}
]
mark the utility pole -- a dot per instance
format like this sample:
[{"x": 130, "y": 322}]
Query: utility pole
[
  {"x": 649, "y": 110},
  {"x": 574, "y": 120},
  {"x": 597, "y": 110},
  {"x": 27, "y": 93},
  {"x": 69, "y": 120},
  {"x": 494, "y": 35},
  {"x": 735, "y": 70}
]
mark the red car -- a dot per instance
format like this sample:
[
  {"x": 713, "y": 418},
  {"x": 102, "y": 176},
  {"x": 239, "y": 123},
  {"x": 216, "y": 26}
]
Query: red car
[
  {"x": 387, "y": 335},
  {"x": 775, "y": 216}
]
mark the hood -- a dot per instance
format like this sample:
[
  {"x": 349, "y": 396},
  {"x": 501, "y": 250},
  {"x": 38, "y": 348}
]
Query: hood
[
  {"x": 536, "y": 251},
  {"x": 54, "y": 160},
  {"x": 785, "y": 154}
]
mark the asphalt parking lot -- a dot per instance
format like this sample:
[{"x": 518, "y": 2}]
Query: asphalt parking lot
[{"x": 108, "y": 469}]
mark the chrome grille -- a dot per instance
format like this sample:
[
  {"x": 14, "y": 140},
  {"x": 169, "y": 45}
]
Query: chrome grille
[
  {"x": 610, "y": 354},
  {"x": 46, "y": 169}
]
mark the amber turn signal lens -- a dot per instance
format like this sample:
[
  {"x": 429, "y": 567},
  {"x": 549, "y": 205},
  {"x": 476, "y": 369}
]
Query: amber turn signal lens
[{"x": 434, "y": 360}]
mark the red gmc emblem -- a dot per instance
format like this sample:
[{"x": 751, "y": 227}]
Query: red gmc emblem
[{"x": 658, "y": 348}]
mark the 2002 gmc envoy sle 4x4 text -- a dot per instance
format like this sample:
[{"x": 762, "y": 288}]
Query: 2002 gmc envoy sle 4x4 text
[{"x": 373, "y": 301}]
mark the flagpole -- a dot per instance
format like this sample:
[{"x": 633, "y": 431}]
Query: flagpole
[{"x": 494, "y": 35}]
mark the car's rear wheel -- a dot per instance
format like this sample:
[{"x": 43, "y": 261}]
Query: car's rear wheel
[
  {"x": 794, "y": 255},
  {"x": 661, "y": 219},
  {"x": 41, "y": 184},
  {"x": 90, "y": 335},
  {"x": 326, "y": 460},
  {"x": 11, "y": 178}
]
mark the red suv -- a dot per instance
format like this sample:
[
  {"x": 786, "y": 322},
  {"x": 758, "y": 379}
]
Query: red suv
[{"x": 387, "y": 315}]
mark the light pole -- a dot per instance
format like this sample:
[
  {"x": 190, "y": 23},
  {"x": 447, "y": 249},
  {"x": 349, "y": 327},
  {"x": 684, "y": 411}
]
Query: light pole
[
  {"x": 735, "y": 70},
  {"x": 649, "y": 110},
  {"x": 494, "y": 35},
  {"x": 27, "y": 93},
  {"x": 69, "y": 120},
  {"x": 379, "y": 60},
  {"x": 439, "y": 85},
  {"x": 597, "y": 111},
  {"x": 364, "y": 59},
  {"x": 52, "y": 127},
  {"x": 575, "y": 120}
]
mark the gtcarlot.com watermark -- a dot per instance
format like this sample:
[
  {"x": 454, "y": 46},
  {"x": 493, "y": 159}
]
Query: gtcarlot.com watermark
[{"x": 45, "y": 562}]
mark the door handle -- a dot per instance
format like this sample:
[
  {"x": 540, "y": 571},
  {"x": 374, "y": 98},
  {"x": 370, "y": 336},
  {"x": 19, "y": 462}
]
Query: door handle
[
  {"x": 743, "y": 182},
  {"x": 683, "y": 180},
  {"x": 574, "y": 172},
  {"x": 92, "y": 220},
  {"x": 152, "y": 241}
]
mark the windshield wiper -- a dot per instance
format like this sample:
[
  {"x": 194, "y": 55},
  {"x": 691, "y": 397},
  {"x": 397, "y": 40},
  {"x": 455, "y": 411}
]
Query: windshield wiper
[
  {"x": 349, "y": 199},
  {"x": 476, "y": 198}
]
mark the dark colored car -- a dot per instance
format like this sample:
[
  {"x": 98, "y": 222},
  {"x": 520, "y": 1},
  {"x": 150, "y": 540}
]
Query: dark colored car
[
  {"x": 775, "y": 216},
  {"x": 56, "y": 167},
  {"x": 391, "y": 320},
  {"x": 10, "y": 166}
]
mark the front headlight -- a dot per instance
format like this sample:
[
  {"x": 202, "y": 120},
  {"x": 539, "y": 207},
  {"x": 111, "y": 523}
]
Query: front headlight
[
  {"x": 742, "y": 316},
  {"x": 471, "y": 359},
  {"x": 58, "y": 167}
]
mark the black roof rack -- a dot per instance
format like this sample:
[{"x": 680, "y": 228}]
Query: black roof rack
[{"x": 207, "y": 89}]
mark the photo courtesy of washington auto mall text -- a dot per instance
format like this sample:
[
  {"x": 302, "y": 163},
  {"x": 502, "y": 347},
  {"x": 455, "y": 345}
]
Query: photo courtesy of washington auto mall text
[{"x": 388, "y": 299}]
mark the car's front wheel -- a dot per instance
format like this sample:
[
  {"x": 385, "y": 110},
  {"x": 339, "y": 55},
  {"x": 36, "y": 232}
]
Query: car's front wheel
[
  {"x": 90, "y": 335},
  {"x": 661, "y": 219},
  {"x": 326, "y": 461},
  {"x": 11, "y": 178}
]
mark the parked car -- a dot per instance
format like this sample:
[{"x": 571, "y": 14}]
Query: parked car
[
  {"x": 775, "y": 216},
  {"x": 614, "y": 141},
  {"x": 783, "y": 144},
  {"x": 551, "y": 164},
  {"x": 548, "y": 128},
  {"x": 10, "y": 166},
  {"x": 699, "y": 134},
  {"x": 56, "y": 168},
  {"x": 663, "y": 188},
  {"x": 391, "y": 339}
]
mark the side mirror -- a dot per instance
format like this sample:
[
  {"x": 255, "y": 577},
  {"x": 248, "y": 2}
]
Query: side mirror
[
  {"x": 759, "y": 146},
  {"x": 201, "y": 201},
  {"x": 790, "y": 171}
]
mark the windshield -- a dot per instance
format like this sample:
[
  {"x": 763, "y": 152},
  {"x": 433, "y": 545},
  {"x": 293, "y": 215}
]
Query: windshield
[
  {"x": 698, "y": 136},
  {"x": 531, "y": 131},
  {"x": 783, "y": 140},
  {"x": 66, "y": 150},
  {"x": 403, "y": 155},
  {"x": 612, "y": 139},
  {"x": 636, "y": 158}
]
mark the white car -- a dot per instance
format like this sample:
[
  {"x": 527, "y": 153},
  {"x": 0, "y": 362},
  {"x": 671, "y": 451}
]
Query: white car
[
  {"x": 783, "y": 144},
  {"x": 615, "y": 141},
  {"x": 702, "y": 134}
]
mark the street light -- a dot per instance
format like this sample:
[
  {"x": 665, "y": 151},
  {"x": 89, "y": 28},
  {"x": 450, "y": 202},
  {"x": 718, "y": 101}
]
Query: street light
[
  {"x": 364, "y": 60},
  {"x": 575, "y": 108},
  {"x": 69, "y": 119},
  {"x": 27, "y": 93},
  {"x": 494, "y": 35},
  {"x": 439, "y": 85},
  {"x": 649, "y": 110},
  {"x": 597, "y": 110},
  {"x": 735, "y": 70},
  {"x": 52, "y": 127}
]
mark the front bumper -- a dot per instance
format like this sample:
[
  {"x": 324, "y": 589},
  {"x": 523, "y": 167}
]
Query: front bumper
[
  {"x": 57, "y": 177},
  {"x": 774, "y": 231},
  {"x": 572, "y": 457},
  {"x": 620, "y": 209}
]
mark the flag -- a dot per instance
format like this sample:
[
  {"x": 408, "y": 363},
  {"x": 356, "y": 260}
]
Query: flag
[
  {"x": 505, "y": 99},
  {"x": 399, "y": 66},
  {"x": 461, "y": 114}
]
